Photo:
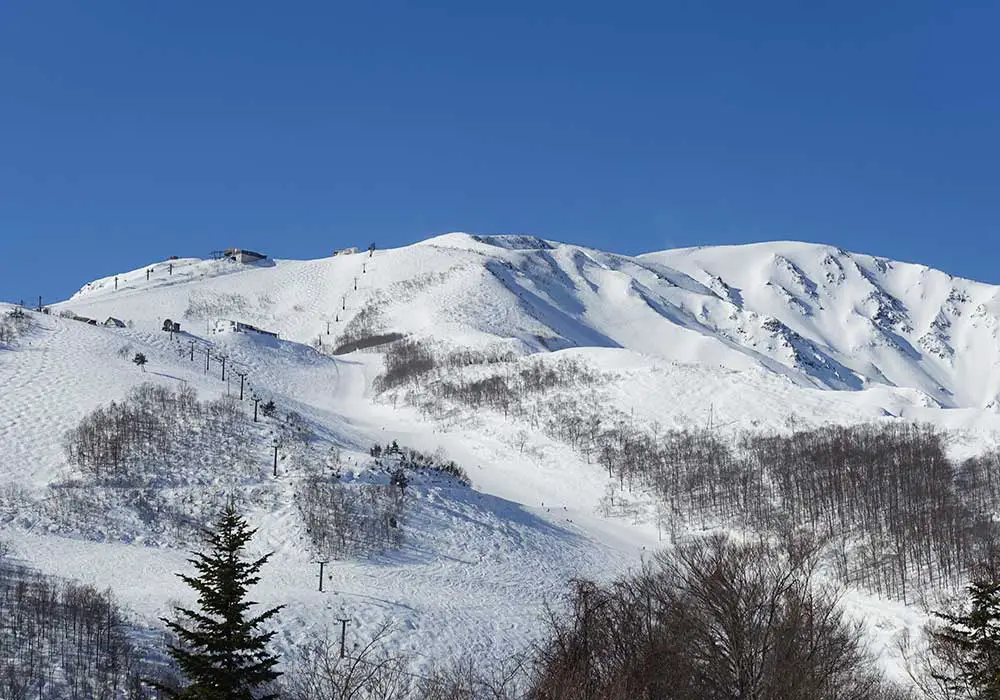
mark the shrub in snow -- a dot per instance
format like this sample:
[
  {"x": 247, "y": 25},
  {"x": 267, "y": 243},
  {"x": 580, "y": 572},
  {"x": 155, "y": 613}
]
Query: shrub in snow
[{"x": 13, "y": 325}]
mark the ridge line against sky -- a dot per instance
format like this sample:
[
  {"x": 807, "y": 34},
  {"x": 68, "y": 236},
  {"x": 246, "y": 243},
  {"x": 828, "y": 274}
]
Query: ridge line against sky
[{"x": 131, "y": 133}]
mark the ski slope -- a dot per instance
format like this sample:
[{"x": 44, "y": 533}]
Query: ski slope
[{"x": 475, "y": 573}]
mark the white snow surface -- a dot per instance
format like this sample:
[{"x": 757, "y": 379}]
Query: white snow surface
[{"x": 765, "y": 336}]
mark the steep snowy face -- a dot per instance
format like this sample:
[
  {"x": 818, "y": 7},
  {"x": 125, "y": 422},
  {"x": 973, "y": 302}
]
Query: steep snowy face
[
  {"x": 817, "y": 315},
  {"x": 855, "y": 318}
]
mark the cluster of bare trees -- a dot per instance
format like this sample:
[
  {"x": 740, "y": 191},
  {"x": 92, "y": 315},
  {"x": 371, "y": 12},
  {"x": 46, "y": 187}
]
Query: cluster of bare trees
[
  {"x": 368, "y": 342},
  {"x": 111, "y": 442},
  {"x": 405, "y": 361},
  {"x": 346, "y": 519},
  {"x": 131, "y": 441},
  {"x": 365, "y": 513},
  {"x": 886, "y": 494},
  {"x": 978, "y": 483},
  {"x": 899, "y": 514},
  {"x": 714, "y": 619},
  {"x": 60, "y": 639},
  {"x": 369, "y": 672},
  {"x": 513, "y": 392},
  {"x": 13, "y": 324},
  {"x": 138, "y": 459},
  {"x": 318, "y": 670},
  {"x": 465, "y": 357},
  {"x": 890, "y": 493},
  {"x": 211, "y": 305},
  {"x": 395, "y": 457}
]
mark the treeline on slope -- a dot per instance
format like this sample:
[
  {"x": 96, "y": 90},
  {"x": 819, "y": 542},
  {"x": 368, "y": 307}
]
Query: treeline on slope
[
  {"x": 60, "y": 639},
  {"x": 142, "y": 457},
  {"x": 899, "y": 513},
  {"x": 354, "y": 515}
]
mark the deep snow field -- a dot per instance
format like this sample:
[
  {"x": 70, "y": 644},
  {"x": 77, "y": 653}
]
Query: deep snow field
[{"x": 764, "y": 337}]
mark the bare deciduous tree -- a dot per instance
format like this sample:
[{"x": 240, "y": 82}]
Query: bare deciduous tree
[{"x": 715, "y": 620}]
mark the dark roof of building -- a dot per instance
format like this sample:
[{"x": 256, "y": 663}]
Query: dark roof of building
[
  {"x": 246, "y": 326},
  {"x": 244, "y": 251}
]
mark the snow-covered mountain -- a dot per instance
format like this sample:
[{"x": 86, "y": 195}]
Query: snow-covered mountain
[
  {"x": 763, "y": 336},
  {"x": 821, "y": 316}
]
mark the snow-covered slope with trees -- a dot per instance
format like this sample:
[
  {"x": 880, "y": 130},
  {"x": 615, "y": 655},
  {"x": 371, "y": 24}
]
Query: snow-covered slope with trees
[{"x": 772, "y": 337}]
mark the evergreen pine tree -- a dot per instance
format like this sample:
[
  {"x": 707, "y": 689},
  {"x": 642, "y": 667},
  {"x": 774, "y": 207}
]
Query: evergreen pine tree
[
  {"x": 972, "y": 642},
  {"x": 222, "y": 651}
]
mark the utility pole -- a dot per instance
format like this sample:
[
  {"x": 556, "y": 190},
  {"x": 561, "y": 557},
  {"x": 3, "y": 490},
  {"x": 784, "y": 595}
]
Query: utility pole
[
  {"x": 208, "y": 358},
  {"x": 256, "y": 400},
  {"x": 223, "y": 359},
  {"x": 322, "y": 563},
  {"x": 242, "y": 376},
  {"x": 343, "y": 635},
  {"x": 275, "y": 445}
]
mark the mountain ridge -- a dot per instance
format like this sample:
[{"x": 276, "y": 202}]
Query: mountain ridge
[{"x": 814, "y": 313}]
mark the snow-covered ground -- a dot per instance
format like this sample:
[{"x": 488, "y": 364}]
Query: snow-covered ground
[{"x": 765, "y": 337}]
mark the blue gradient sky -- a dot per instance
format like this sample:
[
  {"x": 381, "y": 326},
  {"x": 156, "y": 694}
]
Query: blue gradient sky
[{"x": 130, "y": 131}]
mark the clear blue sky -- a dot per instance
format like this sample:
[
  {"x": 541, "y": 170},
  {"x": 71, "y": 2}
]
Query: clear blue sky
[{"x": 130, "y": 131}]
